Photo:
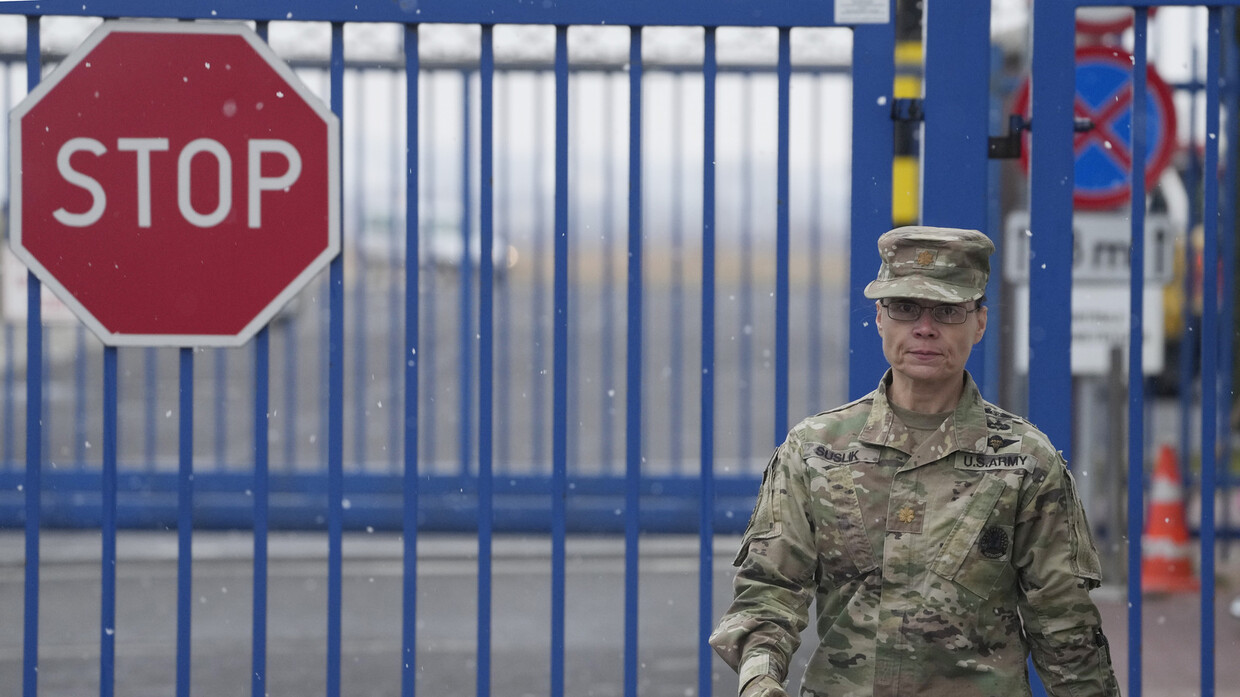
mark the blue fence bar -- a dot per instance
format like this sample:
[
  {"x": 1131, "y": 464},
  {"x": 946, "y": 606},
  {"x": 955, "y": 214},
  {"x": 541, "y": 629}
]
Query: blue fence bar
[
  {"x": 185, "y": 519},
  {"x": 873, "y": 142},
  {"x": 33, "y": 481},
  {"x": 634, "y": 13},
  {"x": 1050, "y": 208},
  {"x": 261, "y": 486},
  {"x": 410, "y": 479},
  {"x": 108, "y": 528},
  {"x": 706, "y": 551},
  {"x": 1136, "y": 353},
  {"x": 486, "y": 74},
  {"x": 1209, "y": 346},
  {"x": 261, "y": 491},
  {"x": 633, "y": 362},
  {"x": 783, "y": 72},
  {"x": 335, "y": 411},
  {"x": 1227, "y": 254},
  {"x": 559, "y": 418}
]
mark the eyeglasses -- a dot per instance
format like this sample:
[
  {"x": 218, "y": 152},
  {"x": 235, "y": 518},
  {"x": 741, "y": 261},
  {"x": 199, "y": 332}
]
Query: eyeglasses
[{"x": 908, "y": 311}]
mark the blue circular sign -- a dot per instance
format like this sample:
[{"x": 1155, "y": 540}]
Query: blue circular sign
[{"x": 1103, "y": 153}]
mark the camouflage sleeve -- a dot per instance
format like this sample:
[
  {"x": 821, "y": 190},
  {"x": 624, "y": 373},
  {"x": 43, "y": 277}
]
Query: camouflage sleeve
[
  {"x": 1058, "y": 566},
  {"x": 775, "y": 581}
]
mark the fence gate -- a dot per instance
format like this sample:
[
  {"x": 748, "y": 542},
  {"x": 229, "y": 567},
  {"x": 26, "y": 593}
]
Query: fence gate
[
  {"x": 1057, "y": 109},
  {"x": 516, "y": 178}
]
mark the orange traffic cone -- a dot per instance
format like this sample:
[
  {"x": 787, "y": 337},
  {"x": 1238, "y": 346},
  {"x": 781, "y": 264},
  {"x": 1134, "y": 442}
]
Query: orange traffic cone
[{"x": 1166, "y": 566}]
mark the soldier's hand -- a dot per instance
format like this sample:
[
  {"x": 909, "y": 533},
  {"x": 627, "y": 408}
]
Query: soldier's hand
[{"x": 765, "y": 686}]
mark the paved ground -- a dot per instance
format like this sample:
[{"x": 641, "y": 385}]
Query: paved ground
[{"x": 447, "y": 629}]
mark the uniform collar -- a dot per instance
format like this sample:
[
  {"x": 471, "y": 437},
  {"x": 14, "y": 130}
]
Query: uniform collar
[{"x": 965, "y": 429}]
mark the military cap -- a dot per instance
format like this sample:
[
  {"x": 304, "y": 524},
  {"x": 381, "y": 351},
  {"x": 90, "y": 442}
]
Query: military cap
[{"x": 949, "y": 265}]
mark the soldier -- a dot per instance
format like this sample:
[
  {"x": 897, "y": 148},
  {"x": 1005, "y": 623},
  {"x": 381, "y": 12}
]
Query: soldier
[{"x": 941, "y": 536}]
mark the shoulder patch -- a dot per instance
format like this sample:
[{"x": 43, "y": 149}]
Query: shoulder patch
[{"x": 984, "y": 461}]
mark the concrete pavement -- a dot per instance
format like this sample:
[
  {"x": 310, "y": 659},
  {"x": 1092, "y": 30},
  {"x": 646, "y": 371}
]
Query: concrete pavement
[{"x": 446, "y": 617}]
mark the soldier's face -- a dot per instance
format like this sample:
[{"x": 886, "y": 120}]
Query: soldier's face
[{"x": 926, "y": 352}]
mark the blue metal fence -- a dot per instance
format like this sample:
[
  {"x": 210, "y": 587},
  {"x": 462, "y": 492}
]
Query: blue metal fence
[
  {"x": 518, "y": 339},
  {"x": 1050, "y": 327}
]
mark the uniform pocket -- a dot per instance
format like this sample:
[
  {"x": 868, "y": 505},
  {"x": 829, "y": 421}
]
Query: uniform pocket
[
  {"x": 979, "y": 547},
  {"x": 764, "y": 522},
  {"x": 843, "y": 545},
  {"x": 1085, "y": 564}
]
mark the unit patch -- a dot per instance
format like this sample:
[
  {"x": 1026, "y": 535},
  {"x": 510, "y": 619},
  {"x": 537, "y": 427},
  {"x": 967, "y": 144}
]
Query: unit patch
[
  {"x": 993, "y": 543},
  {"x": 997, "y": 442}
]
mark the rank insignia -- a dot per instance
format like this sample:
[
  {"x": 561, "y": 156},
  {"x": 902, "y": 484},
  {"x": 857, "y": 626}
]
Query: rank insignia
[
  {"x": 905, "y": 515},
  {"x": 925, "y": 257},
  {"x": 993, "y": 543},
  {"x": 997, "y": 442}
]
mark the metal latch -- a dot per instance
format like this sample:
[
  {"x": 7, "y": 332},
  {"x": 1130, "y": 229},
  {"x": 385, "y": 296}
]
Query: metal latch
[{"x": 1009, "y": 146}]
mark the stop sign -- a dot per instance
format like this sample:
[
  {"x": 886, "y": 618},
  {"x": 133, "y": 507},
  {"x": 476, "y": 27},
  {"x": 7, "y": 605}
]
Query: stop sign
[{"x": 175, "y": 184}]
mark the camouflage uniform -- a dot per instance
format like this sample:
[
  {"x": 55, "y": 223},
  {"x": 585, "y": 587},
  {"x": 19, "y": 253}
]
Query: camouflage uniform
[{"x": 936, "y": 572}]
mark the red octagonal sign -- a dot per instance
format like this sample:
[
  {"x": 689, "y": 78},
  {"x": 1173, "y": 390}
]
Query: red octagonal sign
[{"x": 175, "y": 184}]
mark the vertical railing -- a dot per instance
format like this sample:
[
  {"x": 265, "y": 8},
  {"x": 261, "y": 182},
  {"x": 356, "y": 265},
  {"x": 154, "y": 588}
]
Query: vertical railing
[
  {"x": 633, "y": 359},
  {"x": 1227, "y": 254},
  {"x": 783, "y": 73},
  {"x": 410, "y": 489},
  {"x": 870, "y": 213},
  {"x": 185, "y": 518},
  {"x": 107, "y": 562},
  {"x": 34, "y": 435},
  {"x": 262, "y": 484},
  {"x": 335, "y": 432},
  {"x": 34, "y": 407},
  {"x": 706, "y": 556},
  {"x": 1136, "y": 357},
  {"x": 486, "y": 328},
  {"x": 1209, "y": 345},
  {"x": 559, "y": 418},
  {"x": 261, "y": 506}
]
